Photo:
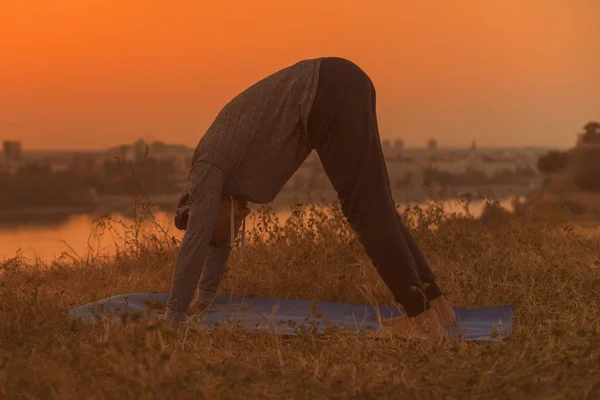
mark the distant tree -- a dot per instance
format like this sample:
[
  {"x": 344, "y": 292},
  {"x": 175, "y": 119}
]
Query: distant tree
[
  {"x": 408, "y": 177},
  {"x": 588, "y": 181},
  {"x": 489, "y": 159},
  {"x": 504, "y": 176},
  {"x": 34, "y": 169},
  {"x": 552, "y": 162},
  {"x": 405, "y": 181},
  {"x": 591, "y": 132},
  {"x": 473, "y": 176},
  {"x": 586, "y": 169},
  {"x": 430, "y": 175},
  {"x": 525, "y": 172}
]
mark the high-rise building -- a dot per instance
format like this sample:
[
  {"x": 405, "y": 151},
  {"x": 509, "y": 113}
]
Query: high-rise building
[
  {"x": 85, "y": 164},
  {"x": 398, "y": 145},
  {"x": 392, "y": 149},
  {"x": 386, "y": 145},
  {"x": 13, "y": 151},
  {"x": 432, "y": 145}
]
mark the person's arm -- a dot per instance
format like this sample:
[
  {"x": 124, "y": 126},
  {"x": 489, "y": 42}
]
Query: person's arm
[
  {"x": 206, "y": 187},
  {"x": 213, "y": 271}
]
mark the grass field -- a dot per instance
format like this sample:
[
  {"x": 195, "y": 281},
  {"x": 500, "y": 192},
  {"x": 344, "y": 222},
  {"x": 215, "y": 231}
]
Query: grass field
[{"x": 550, "y": 272}]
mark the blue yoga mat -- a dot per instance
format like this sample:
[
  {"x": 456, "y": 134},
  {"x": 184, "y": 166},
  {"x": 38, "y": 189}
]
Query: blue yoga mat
[{"x": 290, "y": 317}]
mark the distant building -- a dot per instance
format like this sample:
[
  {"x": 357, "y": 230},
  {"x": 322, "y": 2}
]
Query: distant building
[
  {"x": 141, "y": 149},
  {"x": 398, "y": 145},
  {"x": 4, "y": 167},
  {"x": 386, "y": 145},
  {"x": 13, "y": 151},
  {"x": 159, "y": 150},
  {"x": 85, "y": 164},
  {"x": 390, "y": 150},
  {"x": 432, "y": 145}
]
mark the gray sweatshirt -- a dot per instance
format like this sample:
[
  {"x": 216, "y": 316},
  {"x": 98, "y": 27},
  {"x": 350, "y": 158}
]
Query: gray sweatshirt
[{"x": 255, "y": 144}]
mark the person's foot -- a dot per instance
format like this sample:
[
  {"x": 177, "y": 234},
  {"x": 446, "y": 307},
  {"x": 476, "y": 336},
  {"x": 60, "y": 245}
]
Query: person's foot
[
  {"x": 426, "y": 325},
  {"x": 442, "y": 308},
  {"x": 193, "y": 309},
  {"x": 196, "y": 308},
  {"x": 444, "y": 311}
]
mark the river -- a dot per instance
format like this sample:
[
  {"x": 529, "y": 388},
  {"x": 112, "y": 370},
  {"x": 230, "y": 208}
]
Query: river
[{"x": 45, "y": 243}]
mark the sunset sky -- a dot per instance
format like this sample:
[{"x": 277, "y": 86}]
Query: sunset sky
[{"x": 87, "y": 74}]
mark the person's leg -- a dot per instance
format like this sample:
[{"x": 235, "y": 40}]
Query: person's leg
[
  {"x": 343, "y": 129},
  {"x": 432, "y": 291},
  {"x": 435, "y": 296}
]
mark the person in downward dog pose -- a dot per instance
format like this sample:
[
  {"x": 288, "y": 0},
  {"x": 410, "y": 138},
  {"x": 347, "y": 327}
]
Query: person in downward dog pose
[{"x": 256, "y": 143}]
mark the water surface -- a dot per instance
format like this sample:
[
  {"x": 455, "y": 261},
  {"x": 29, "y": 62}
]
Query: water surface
[{"x": 76, "y": 234}]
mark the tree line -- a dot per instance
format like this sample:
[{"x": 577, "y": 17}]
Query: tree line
[{"x": 37, "y": 184}]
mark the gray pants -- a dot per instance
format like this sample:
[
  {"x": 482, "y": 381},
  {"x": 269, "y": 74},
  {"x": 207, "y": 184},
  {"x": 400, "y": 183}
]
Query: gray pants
[{"x": 342, "y": 128}]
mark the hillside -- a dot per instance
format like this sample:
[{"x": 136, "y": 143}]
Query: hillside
[{"x": 551, "y": 273}]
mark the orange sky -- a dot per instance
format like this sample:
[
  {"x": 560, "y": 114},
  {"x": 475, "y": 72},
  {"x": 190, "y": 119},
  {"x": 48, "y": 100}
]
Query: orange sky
[{"x": 93, "y": 73}]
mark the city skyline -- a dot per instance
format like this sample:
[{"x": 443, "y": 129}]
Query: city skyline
[
  {"x": 86, "y": 75},
  {"x": 390, "y": 141}
]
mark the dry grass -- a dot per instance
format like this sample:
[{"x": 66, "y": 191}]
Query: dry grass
[
  {"x": 550, "y": 272},
  {"x": 568, "y": 204}
]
